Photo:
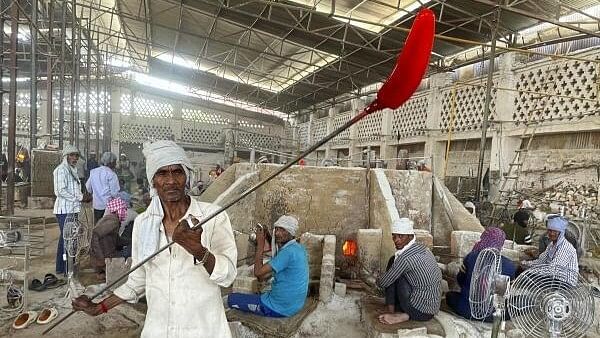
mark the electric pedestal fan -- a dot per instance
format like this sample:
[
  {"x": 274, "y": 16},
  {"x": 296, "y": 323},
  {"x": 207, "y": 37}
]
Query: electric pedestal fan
[
  {"x": 551, "y": 301},
  {"x": 489, "y": 289}
]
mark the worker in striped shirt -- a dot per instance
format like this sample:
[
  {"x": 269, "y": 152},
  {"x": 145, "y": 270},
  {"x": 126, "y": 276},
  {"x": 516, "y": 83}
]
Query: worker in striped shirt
[
  {"x": 67, "y": 189},
  {"x": 559, "y": 252},
  {"x": 412, "y": 282}
]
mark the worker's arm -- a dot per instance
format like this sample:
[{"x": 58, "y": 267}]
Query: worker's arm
[
  {"x": 261, "y": 271},
  {"x": 113, "y": 184}
]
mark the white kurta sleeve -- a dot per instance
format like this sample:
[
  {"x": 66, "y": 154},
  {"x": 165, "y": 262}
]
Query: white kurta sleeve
[
  {"x": 218, "y": 238},
  {"x": 135, "y": 286}
]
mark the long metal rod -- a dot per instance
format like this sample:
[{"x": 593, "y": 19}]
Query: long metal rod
[
  {"x": 486, "y": 107},
  {"x": 1, "y": 75},
  {"x": 227, "y": 205},
  {"x": 74, "y": 75},
  {"x": 49, "y": 71},
  {"x": 33, "y": 109},
  {"x": 62, "y": 82},
  {"x": 98, "y": 98},
  {"x": 77, "y": 77},
  {"x": 12, "y": 108},
  {"x": 88, "y": 91}
]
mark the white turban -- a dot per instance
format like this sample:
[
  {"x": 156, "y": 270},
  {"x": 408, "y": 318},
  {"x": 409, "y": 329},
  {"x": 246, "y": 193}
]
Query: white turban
[
  {"x": 162, "y": 153},
  {"x": 69, "y": 149},
  {"x": 289, "y": 223},
  {"x": 526, "y": 205},
  {"x": 108, "y": 158},
  {"x": 403, "y": 226},
  {"x": 158, "y": 154}
]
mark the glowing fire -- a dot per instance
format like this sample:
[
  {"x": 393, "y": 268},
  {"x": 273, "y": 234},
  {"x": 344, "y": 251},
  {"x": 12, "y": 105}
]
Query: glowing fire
[{"x": 350, "y": 248}]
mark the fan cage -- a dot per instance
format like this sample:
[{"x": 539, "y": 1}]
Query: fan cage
[
  {"x": 483, "y": 283},
  {"x": 551, "y": 301}
]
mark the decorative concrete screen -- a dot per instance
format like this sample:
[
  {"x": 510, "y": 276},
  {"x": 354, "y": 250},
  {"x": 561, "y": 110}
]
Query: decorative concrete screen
[
  {"x": 318, "y": 129},
  {"x": 467, "y": 108},
  {"x": 204, "y": 135},
  {"x": 369, "y": 128},
  {"x": 338, "y": 121},
  {"x": 409, "y": 119},
  {"x": 146, "y": 107},
  {"x": 303, "y": 134},
  {"x": 200, "y": 116},
  {"x": 255, "y": 140},
  {"x": 134, "y": 132},
  {"x": 569, "y": 78}
]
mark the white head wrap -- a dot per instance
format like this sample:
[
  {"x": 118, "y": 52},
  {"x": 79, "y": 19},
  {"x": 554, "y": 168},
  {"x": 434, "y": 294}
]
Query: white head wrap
[
  {"x": 158, "y": 154},
  {"x": 69, "y": 149},
  {"x": 108, "y": 158},
  {"x": 289, "y": 223},
  {"x": 470, "y": 205},
  {"x": 403, "y": 226},
  {"x": 526, "y": 205}
]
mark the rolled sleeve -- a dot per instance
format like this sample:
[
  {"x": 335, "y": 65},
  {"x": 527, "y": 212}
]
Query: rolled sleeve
[
  {"x": 135, "y": 287},
  {"x": 218, "y": 238}
]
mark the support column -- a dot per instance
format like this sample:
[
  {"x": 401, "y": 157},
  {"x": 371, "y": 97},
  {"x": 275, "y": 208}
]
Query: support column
[
  {"x": 177, "y": 122},
  {"x": 503, "y": 147},
  {"x": 330, "y": 116},
  {"x": 115, "y": 120},
  {"x": 434, "y": 149},
  {"x": 354, "y": 154},
  {"x": 387, "y": 149}
]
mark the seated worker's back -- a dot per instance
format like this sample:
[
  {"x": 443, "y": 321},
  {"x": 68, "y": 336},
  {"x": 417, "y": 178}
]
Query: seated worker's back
[{"x": 290, "y": 285}]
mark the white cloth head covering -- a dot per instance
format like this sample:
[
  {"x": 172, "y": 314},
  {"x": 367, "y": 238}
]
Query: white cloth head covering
[
  {"x": 403, "y": 226},
  {"x": 158, "y": 154},
  {"x": 69, "y": 149},
  {"x": 470, "y": 204},
  {"x": 526, "y": 205},
  {"x": 108, "y": 158},
  {"x": 289, "y": 223}
]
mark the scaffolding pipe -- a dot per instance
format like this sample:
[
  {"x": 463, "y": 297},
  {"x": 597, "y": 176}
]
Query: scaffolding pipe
[
  {"x": 75, "y": 54},
  {"x": 77, "y": 75},
  {"x": 49, "y": 75},
  {"x": 88, "y": 91},
  {"x": 33, "y": 83},
  {"x": 98, "y": 101},
  {"x": 12, "y": 109},
  {"x": 486, "y": 107},
  {"x": 1, "y": 75},
  {"x": 61, "y": 93}
]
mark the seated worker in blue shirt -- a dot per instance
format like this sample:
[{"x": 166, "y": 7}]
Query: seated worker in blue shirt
[{"x": 289, "y": 267}]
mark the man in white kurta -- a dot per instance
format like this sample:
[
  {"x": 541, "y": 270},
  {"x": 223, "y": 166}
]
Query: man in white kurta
[{"x": 182, "y": 283}]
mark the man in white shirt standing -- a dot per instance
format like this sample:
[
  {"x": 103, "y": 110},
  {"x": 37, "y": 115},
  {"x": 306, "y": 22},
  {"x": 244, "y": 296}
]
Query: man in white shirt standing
[
  {"x": 67, "y": 189},
  {"x": 103, "y": 184},
  {"x": 181, "y": 284}
]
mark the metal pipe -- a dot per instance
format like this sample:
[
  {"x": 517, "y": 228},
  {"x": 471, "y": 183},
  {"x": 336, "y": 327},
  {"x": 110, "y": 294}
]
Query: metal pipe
[
  {"x": 77, "y": 79},
  {"x": 88, "y": 91},
  {"x": 486, "y": 106},
  {"x": 98, "y": 101},
  {"x": 1, "y": 75},
  {"x": 12, "y": 109},
  {"x": 61, "y": 93},
  {"x": 33, "y": 83},
  {"x": 74, "y": 75},
  {"x": 49, "y": 75}
]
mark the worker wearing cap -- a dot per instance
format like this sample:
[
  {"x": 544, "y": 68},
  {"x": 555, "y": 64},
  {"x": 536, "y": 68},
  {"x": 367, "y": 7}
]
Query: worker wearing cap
[
  {"x": 290, "y": 269},
  {"x": 412, "y": 282},
  {"x": 559, "y": 252}
]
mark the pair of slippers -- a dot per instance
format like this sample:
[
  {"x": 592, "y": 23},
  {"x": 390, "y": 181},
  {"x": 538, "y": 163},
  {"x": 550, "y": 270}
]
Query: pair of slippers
[
  {"x": 50, "y": 282},
  {"x": 26, "y": 318}
]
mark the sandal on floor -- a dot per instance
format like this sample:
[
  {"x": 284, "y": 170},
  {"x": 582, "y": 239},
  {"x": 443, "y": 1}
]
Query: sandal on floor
[
  {"x": 24, "y": 319},
  {"x": 47, "y": 315},
  {"x": 51, "y": 282},
  {"x": 36, "y": 285}
]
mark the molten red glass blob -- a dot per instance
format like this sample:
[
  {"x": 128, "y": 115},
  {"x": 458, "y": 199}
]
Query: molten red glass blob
[{"x": 411, "y": 64}]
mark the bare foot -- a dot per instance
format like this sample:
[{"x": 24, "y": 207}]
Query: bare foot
[{"x": 393, "y": 318}]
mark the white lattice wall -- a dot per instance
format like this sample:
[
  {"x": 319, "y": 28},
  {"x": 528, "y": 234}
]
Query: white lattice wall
[
  {"x": 468, "y": 106},
  {"x": 255, "y": 140},
  {"x": 196, "y": 134},
  {"x": 137, "y": 132},
  {"x": 318, "y": 129},
  {"x": 303, "y": 134},
  {"x": 570, "y": 78},
  {"x": 369, "y": 128},
  {"x": 409, "y": 119},
  {"x": 338, "y": 121},
  {"x": 197, "y": 115}
]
